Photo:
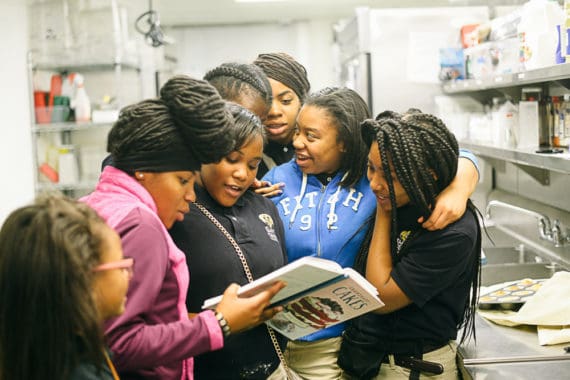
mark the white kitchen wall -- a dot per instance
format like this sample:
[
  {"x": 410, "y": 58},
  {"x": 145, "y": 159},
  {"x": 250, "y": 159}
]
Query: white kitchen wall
[
  {"x": 199, "y": 49},
  {"x": 16, "y": 167}
]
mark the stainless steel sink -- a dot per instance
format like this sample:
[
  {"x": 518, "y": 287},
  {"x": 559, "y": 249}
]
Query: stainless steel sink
[
  {"x": 509, "y": 260},
  {"x": 496, "y": 238},
  {"x": 498, "y": 273},
  {"x": 515, "y": 255}
]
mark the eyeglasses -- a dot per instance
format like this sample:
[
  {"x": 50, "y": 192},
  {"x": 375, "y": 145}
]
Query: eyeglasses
[{"x": 127, "y": 264}]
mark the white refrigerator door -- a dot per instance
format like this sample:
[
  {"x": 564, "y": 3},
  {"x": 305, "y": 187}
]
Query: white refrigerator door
[{"x": 404, "y": 47}]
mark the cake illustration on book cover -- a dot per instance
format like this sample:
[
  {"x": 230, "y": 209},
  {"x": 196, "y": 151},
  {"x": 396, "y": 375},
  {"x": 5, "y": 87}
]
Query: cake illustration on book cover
[{"x": 319, "y": 293}]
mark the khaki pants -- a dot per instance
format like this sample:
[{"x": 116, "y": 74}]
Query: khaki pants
[
  {"x": 445, "y": 356},
  {"x": 315, "y": 360},
  {"x": 281, "y": 374}
]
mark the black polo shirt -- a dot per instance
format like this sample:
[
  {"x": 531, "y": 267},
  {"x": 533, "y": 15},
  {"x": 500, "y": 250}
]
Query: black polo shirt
[
  {"x": 435, "y": 272},
  {"x": 214, "y": 264}
]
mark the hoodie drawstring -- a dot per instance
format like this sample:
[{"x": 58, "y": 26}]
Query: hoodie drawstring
[
  {"x": 298, "y": 200},
  {"x": 331, "y": 216}
]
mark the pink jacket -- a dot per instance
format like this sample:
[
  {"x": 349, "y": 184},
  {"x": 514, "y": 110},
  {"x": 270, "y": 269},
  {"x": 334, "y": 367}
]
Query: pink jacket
[{"x": 153, "y": 338}]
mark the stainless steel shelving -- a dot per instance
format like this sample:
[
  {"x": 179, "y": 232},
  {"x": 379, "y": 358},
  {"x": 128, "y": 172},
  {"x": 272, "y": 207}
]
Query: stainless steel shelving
[
  {"x": 67, "y": 127},
  {"x": 557, "y": 73},
  {"x": 67, "y": 130},
  {"x": 79, "y": 186},
  {"x": 538, "y": 165},
  {"x": 559, "y": 162},
  {"x": 85, "y": 66}
]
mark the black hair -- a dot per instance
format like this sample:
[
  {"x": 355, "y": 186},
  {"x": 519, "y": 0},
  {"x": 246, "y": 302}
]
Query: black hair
[
  {"x": 424, "y": 154},
  {"x": 285, "y": 69},
  {"x": 189, "y": 116},
  {"x": 49, "y": 322},
  {"x": 234, "y": 80},
  {"x": 348, "y": 110},
  {"x": 246, "y": 125}
]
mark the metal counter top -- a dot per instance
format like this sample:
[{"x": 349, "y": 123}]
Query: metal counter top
[
  {"x": 512, "y": 353},
  {"x": 555, "y": 370}
]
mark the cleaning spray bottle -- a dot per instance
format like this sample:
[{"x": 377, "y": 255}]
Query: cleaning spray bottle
[{"x": 81, "y": 103}]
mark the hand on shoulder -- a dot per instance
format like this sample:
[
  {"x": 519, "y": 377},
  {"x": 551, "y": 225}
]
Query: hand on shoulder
[{"x": 266, "y": 189}]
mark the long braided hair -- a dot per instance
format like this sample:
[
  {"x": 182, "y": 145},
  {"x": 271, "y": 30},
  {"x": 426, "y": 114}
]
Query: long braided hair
[
  {"x": 285, "y": 69},
  {"x": 424, "y": 155},
  {"x": 188, "y": 115},
  {"x": 234, "y": 80},
  {"x": 247, "y": 126}
]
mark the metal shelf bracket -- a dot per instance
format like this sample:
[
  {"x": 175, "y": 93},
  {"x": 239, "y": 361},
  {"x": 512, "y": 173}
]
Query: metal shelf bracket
[{"x": 542, "y": 176}]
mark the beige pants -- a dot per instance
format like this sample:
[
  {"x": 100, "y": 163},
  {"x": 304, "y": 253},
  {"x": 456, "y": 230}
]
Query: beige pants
[
  {"x": 445, "y": 356},
  {"x": 281, "y": 374},
  {"x": 315, "y": 360}
]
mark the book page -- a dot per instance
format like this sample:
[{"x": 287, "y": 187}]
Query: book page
[{"x": 299, "y": 276}]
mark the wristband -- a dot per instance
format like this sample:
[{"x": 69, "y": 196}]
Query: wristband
[{"x": 223, "y": 324}]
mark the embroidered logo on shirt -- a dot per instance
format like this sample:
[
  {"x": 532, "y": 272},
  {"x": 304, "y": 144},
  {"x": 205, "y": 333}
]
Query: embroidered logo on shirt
[
  {"x": 402, "y": 238},
  {"x": 268, "y": 221}
]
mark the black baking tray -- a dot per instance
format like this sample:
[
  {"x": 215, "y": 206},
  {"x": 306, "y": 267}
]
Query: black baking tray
[{"x": 511, "y": 295}]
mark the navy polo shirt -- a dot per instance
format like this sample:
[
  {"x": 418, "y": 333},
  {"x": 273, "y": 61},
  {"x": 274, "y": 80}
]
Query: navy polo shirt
[
  {"x": 255, "y": 225},
  {"x": 435, "y": 273},
  {"x": 278, "y": 152}
]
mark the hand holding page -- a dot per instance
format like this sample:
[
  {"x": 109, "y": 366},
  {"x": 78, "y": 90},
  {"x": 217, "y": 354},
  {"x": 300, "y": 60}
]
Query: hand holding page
[{"x": 319, "y": 293}]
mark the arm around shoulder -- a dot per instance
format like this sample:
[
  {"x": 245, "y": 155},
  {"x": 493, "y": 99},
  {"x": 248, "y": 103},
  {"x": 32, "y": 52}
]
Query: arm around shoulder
[{"x": 452, "y": 201}]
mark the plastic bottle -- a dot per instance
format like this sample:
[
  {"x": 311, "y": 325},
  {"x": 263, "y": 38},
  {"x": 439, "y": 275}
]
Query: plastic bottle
[
  {"x": 468, "y": 74},
  {"x": 531, "y": 118},
  {"x": 509, "y": 123},
  {"x": 564, "y": 127},
  {"x": 67, "y": 165},
  {"x": 81, "y": 102},
  {"x": 560, "y": 47},
  {"x": 497, "y": 126},
  {"x": 555, "y": 120},
  {"x": 565, "y": 31}
]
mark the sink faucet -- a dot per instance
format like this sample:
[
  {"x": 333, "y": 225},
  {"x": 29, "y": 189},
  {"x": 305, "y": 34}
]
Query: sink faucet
[
  {"x": 545, "y": 231},
  {"x": 559, "y": 236}
]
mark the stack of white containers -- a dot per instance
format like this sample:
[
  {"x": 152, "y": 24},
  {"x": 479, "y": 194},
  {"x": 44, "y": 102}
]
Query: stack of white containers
[{"x": 538, "y": 35}]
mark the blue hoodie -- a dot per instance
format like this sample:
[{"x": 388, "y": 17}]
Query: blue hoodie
[{"x": 328, "y": 221}]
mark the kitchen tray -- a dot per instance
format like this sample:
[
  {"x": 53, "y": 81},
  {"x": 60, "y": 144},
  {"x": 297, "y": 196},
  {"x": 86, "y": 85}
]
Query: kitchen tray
[{"x": 511, "y": 295}]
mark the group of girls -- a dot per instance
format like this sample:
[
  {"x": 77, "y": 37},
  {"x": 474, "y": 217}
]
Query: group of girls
[{"x": 184, "y": 194}]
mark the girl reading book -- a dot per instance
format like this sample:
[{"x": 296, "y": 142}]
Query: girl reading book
[
  {"x": 428, "y": 280},
  {"x": 233, "y": 235}
]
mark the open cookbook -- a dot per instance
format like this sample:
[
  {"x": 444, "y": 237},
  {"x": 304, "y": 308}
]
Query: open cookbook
[{"x": 319, "y": 293}]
